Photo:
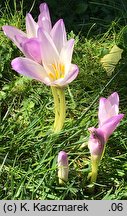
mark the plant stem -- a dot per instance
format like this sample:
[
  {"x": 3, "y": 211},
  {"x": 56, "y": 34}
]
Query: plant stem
[
  {"x": 94, "y": 163},
  {"x": 60, "y": 108},
  {"x": 63, "y": 174},
  {"x": 56, "y": 105}
]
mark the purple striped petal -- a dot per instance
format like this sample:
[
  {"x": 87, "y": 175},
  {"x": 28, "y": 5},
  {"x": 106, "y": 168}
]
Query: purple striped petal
[
  {"x": 58, "y": 34},
  {"x": 32, "y": 50},
  {"x": 30, "y": 68},
  {"x": 13, "y": 33},
  {"x": 31, "y": 26}
]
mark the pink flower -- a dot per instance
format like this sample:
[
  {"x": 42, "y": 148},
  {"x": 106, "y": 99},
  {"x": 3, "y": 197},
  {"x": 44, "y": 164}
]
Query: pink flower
[
  {"x": 108, "y": 121},
  {"x": 56, "y": 54},
  {"x": 48, "y": 53},
  {"x": 62, "y": 167},
  {"x": 28, "y": 42}
]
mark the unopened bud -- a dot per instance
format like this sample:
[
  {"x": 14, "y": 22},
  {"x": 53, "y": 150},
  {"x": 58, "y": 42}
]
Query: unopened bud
[{"x": 62, "y": 167}]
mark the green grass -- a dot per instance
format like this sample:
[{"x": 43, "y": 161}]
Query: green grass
[{"x": 29, "y": 149}]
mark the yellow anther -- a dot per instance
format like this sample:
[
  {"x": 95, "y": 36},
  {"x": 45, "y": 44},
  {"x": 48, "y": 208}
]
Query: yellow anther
[
  {"x": 62, "y": 68},
  {"x": 54, "y": 67},
  {"x": 51, "y": 75},
  {"x": 58, "y": 71}
]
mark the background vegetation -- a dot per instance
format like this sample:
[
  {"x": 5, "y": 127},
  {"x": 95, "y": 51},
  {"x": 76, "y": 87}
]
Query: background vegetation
[
  {"x": 79, "y": 16},
  {"x": 28, "y": 149}
]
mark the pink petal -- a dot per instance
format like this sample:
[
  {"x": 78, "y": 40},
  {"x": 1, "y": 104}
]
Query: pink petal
[
  {"x": 62, "y": 167},
  {"x": 105, "y": 111},
  {"x": 12, "y": 32},
  {"x": 48, "y": 50},
  {"x": 114, "y": 99},
  {"x": 102, "y": 102},
  {"x": 62, "y": 158},
  {"x": 44, "y": 20},
  {"x": 32, "y": 50},
  {"x": 44, "y": 10},
  {"x": 110, "y": 125},
  {"x": 102, "y": 114},
  {"x": 114, "y": 110},
  {"x": 20, "y": 40},
  {"x": 58, "y": 34},
  {"x": 31, "y": 26},
  {"x": 96, "y": 141},
  {"x": 44, "y": 23},
  {"x": 72, "y": 74},
  {"x": 108, "y": 108},
  {"x": 30, "y": 68},
  {"x": 66, "y": 52}
]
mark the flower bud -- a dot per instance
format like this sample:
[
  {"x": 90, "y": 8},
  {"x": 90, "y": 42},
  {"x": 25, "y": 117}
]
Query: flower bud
[
  {"x": 62, "y": 167},
  {"x": 96, "y": 141}
]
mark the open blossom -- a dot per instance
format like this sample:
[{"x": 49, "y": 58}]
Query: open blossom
[
  {"x": 55, "y": 68},
  {"x": 48, "y": 56},
  {"x": 27, "y": 41},
  {"x": 62, "y": 167},
  {"x": 47, "y": 52},
  {"x": 108, "y": 121}
]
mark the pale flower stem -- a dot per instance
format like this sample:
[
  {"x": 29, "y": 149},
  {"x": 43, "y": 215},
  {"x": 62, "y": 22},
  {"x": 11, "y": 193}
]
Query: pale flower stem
[
  {"x": 94, "y": 163},
  {"x": 103, "y": 152},
  {"x": 63, "y": 174},
  {"x": 60, "y": 108},
  {"x": 56, "y": 105}
]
